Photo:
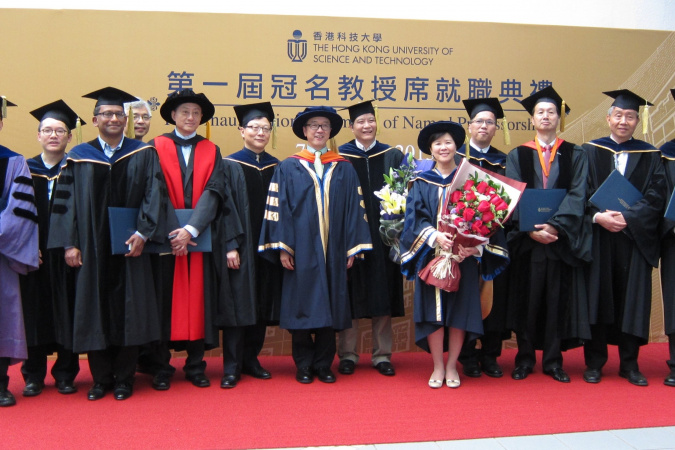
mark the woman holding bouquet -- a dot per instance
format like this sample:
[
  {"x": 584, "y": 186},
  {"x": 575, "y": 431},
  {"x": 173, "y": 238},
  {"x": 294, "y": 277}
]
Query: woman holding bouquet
[{"x": 434, "y": 309}]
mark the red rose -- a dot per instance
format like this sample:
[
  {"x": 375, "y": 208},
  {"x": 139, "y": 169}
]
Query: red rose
[
  {"x": 468, "y": 185},
  {"x": 455, "y": 196},
  {"x": 494, "y": 199},
  {"x": 476, "y": 226},
  {"x": 488, "y": 216},
  {"x": 460, "y": 206},
  {"x": 501, "y": 205},
  {"x": 470, "y": 196},
  {"x": 484, "y": 206},
  {"x": 491, "y": 191},
  {"x": 458, "y": 222},
  {"x": 484, "y": 231},
  {"x": 468, "y": 214},
  {"x": 482, "y": 187}
]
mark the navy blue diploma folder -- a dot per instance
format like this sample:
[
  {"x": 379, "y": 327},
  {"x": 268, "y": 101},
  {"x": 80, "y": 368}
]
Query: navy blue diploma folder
[
  {"x": 615, "y": 194},
  {"x": 123, "y": 225},
  {"x": 537, "y": 206},
  {"x": 670, "y": 210}
]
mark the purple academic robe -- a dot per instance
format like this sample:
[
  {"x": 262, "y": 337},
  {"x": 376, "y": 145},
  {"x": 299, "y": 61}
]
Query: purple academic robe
[{"x": 18, "y": 249}]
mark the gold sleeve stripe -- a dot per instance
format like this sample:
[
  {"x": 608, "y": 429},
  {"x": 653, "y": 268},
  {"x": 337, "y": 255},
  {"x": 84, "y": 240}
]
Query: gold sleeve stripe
[
  {"x": 496, "y": 250},
  {"x": 358, "y": 249},
  {"x": 274, "y": 187},
  {"x": 363, "y": 204},
  {"x": 360, "y": 191},
  {"x": 271, "y": 216},
  {"x": 419, "y": 242},
  {"x": 276, "y": 246},
  {"x": 365, "y": 217},
  {"x": 273, "y": 201}
]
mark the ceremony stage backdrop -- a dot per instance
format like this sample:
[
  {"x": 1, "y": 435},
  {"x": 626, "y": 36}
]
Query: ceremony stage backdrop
[{"x": 419, "y": 71}]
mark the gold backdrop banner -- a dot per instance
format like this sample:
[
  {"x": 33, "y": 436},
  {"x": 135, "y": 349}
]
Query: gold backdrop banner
[{"x": 419, "y": 71}]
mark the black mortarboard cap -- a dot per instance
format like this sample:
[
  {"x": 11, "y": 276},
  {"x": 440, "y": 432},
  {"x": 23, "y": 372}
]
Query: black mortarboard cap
[
  {"x": 476, "y": 105},
  {"x": 5, "y": 104},
  {"x": 58, "y": 110},
  {"x": 360, "y": 109},
  {"x": 110, "y": 96},
  {"x": 175, "y": 99},
  {"x": 625, "y": 99},
  {"x": 548, "y": 94},
  {"x": 672, "y": 92},
  {"x": 245, "y": 113}
]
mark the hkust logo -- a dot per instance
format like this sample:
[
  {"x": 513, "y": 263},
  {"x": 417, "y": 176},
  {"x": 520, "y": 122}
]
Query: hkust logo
[{"x": 297, "y": 47}]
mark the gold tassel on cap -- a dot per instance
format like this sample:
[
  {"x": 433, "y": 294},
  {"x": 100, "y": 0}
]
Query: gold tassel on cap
[
  {"x": 645, "y": 122},
  {"x": 208, "y": 130},
  {"x": 78, "y": 131},
  {"x": 467, "y": 146},
  {"x": 377, "y": 119},
  {"x": 4, "y": 107},
  {"x": 129, "y": 132},
  {"x": 274, "y": 134},
  {"x": 562, "y": 119},
  {"x": 505, "y": 129}
]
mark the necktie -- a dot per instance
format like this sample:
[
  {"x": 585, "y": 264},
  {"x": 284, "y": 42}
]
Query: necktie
[
  {"x": 318, "y": 165},
  {"x": 547, "y": 156}
]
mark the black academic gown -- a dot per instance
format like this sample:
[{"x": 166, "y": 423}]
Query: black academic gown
[
  {"x": 668, "y": 243},
  {"x": 435, "y": 308},
  {"x": 375, "y": 284},
  {"x": 208, "y": 211},
  {"x": 321, "y": 224},
  {"x": 255, "y": 288},
  {"x": 114, "y": 302},
  {"x": 495, "y": 161},
  {"x": 620, "y": 279},
  {"x": 566, "y": 308}
]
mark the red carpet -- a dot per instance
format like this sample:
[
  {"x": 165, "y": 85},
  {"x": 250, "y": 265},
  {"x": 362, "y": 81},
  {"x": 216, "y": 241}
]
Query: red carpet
[{"x": 363, "y": 408}]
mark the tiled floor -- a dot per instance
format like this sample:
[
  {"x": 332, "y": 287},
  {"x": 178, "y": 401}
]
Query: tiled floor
[{"x": 630, "y": 439}]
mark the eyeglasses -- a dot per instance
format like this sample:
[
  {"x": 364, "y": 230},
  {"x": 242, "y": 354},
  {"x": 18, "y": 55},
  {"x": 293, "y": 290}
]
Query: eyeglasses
[
  {"x": 481, "y": 122},
  {"x": 109, "y": 115},
  {"x": 316, "y": 126},
  {"x": 256, "y": 129},
  {"x": 145, "y": 117},
  {"x": 48, "y": 132}
]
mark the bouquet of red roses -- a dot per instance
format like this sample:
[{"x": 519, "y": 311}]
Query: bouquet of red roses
[{"x": 480, "y": 201}]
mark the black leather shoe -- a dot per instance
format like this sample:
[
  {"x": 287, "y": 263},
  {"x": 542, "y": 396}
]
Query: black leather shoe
[
  {"x": 123, "y": 391},
  {"x": 325, "y": 375},
  {"x": 385, "y": 368},
  {"x": 670, "y": 379},
  {"x": 521, "y": 372},
  {"x": 257, "y": 372},
  {"x": 199, "y": 380},
  {"x": 161, "y": 382},
  {"x": 229, "y": 381},
  {"x": 304, "y": 375},
  {"x": 471, "y": 369},
  {"x": 33, "y": 388},
  {"x": 66, "y": 387},
  {"x": 634, "y": 377},
  {"x": 558, "y": 374},
  {"x": 492, "y": 369},
  {"x": 346, "y": 367},
  {"x": 98, "y": 391},
  {"x": 6, "y": 398},
  {"x": 592, "y": 375}
]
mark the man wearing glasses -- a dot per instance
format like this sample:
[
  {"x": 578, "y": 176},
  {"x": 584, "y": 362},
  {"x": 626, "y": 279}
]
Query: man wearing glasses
[
  {"x": 254, "y": 282},
  {"x": 140, "y": 111},
  {"x": 43, "y": 328},
  {"x": 315, "y": 224},
  {"x": 483, "y": 116},
  {"x": 192, "y": 167},
  {"x": 115, "y": 305}
]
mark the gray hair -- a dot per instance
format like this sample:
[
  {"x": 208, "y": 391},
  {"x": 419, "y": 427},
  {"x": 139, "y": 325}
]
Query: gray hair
[
  {"x": 611, "y": 108},
  {"x": 138, "y": 104}
]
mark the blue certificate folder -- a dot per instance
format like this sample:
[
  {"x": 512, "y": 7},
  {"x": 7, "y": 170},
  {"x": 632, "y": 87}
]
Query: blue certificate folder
[
  {"x": 123, "y": 225},
  {"x": 615, "y": 194},
  {"x": 670, "y": 210},
  {"x": 537, "y": 206}
]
